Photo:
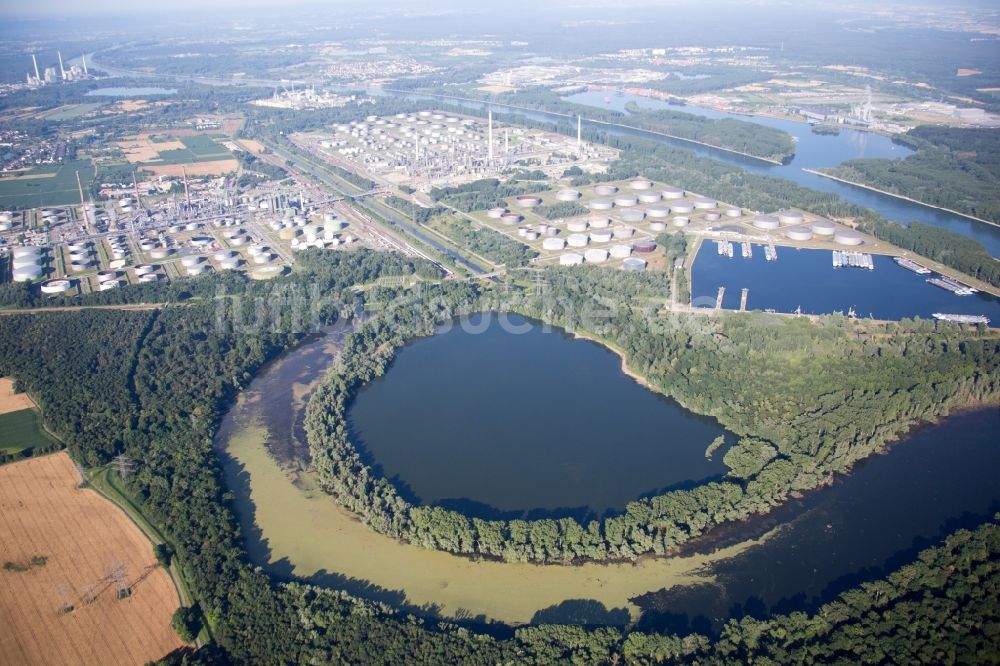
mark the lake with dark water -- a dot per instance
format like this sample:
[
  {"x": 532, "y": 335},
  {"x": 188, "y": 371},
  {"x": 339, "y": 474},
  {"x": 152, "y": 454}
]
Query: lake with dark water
[
  {"x": 807, "y": 279},
  {"x": 530, "y": 422}
]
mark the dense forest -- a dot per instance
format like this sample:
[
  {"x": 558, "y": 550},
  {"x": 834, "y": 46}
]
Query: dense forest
[
  {"x": 482, "y": 240},
  {"x": 179, "y": 370},
  {"x": 824, "y": 396},
  {"x": 956, "y": 168},
  {"x": 485, "y": 193}
]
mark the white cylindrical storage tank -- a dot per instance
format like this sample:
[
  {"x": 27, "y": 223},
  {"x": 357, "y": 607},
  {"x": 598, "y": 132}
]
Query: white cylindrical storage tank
[
  {"x": 147, "y": 245},
  {"x": 595, "y": 256},
  {"x": 527, "y": 201},
  {"x": 712, "y": 216},
  {"x": 149, "y": 277},
  {"x": 577, "y": 226},
  {"x": 634, "y": 264},
  {"x": 848, "y": 237},
  {"x": 78, "y": 246},
  {"x": 192, "y": 226},
  {"x": 117, "y": 264},
  {"x": 109, "y": 284},
  {"x": 6, "y": 216},
  {"x": 239, "y": 240},
  {"x": 641, "y": 184},
  {"x": 254, "y": 250},
  {"x": 570, "y": 259},
  {"x": 196, "y": 269},
  {"x": 625, "y": 200},
  {"x": 229, "y": 263},
  {"x": 605, "y": 190},
  {"x": 553, "y": 244},
  {"x": 329, "y": 217},
  {"x": 223, "y": 254},
  {"x": 6, "y": 226},
  {"x": 496, "y": 213},
  {"x": 601, "y": 235},
  {"x": 790, "y": 217},
  {"x": 231, "y": 233},
  {"x": 568, "y": 195},
  {"x": 768, "y": 222},
  {"x": 266, "y": 272},
  {"x": 175, "y": 228},
  {"x": 704, "y": 203},
  {"x": 56, "y": 286},
  {"x": 596, "y": 222},
  {"x": 27, "y": 273},
  {"x": 620, "y": 251},
  {"x": 681, "y": 221},
  {"x": 650, "y": 197},
  {"x": 644, "y": 246},
  {"x": 632, "y": 215},
  {"x": 80, "y": 266},
  {"x": 201, "y": 241},
  {"x": 732, "y": 212},
  {"x": 144, "y": 269},
  {"x": 27, "y": 251},
  {"x": 577, "y": 240},
  {"x": 623, "y": 232},
  {"x": 672, "y": 193},
  {"x": 521, "y": 231},
  {"x": 601, "y": 204},
  {"x": 510, "y": 219},
  {"x": 106, "y": 275},
  {"x": 657, "y": 226},
  {"x": 26, "y": 262},
  {"x": 191, "y": 260},
  {"x": 160, "y": 253},
  {"x": 799, "y": 233},
  {"x": 824, "y": 228},
  {"x": 682, "y": 206},
  {"x": 658, "y": 211},
  {"x": 531, "y": 235}
]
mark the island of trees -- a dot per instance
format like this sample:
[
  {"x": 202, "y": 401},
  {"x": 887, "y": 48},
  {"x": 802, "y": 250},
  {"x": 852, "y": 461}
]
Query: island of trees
[
  {"x": 954, "y": 168},
  {"x": 152, "y": 385}
]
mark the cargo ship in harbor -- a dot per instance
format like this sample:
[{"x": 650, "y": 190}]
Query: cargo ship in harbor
[
  {"x": 963, "y": 318},
  {"x": 845, "y": 259},
  {"x": 951, "y": 285},
  {"x": 912, "y": 266}
]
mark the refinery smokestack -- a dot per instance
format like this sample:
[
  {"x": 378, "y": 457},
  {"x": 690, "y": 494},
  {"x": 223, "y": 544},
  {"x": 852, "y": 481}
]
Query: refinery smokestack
[
  {"x": 37, "y": 75},
  {"x": 579, "y": 139},
  {"x": 83, "y": 59},
  {"x": 490, "y": 137},
  {"x": 62, "y": 71}
]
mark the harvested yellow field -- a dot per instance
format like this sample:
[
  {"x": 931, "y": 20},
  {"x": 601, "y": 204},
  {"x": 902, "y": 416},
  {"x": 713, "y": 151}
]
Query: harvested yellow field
[
  {"x": 62, "y": 544},
  {"x": 255, "y": 147},
  {"x": 10, "y": 401},
  {"x": 144, "y": 149},
  {"x": 214, "y": 168}
]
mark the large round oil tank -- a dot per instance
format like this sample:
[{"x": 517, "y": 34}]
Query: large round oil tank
[
  {"x": 191, "y": 260},
  {"x": 6, "y": 216},
  {"x": 144, "y": 269},
  {"x": 595, "y": 256},
  {"x": 577, "y": 240},
  {"x": 510, "y": 219},
  {"x": 28, "y": 251},
  {"x": 767, "y": 222},
  {"x": 117, "y": 264},
  {"x": 658, "y": 211},
  {"x": 799, "y": 233},
  {"x": 605, "y": 190},
  {"x": 219, "y": 255},
  {"x": 620, "y": 251},
  {"x": 106, "y": 275},
  {"x": 149, "y": 277},
  {"x": 267, "y": 272},
  {"x": 160, "y": 253},
  {"x": 682, "y": 206},
  {"x": 530, "y": 235},
  {"x": 329, "y": 217},
  {"x": 791, "y": 217},
  {"x": 25, "y": 262},
  {"x": 657, "y": 226},
  {"x": 146, "y": 245},
  {"x": 601, "y": 204},
  {"x": 632, "y": 215},
  {"x": 6, "y": 226},
  {"x": 681, "y": 221},
  {"x": 237, "y": 241},
  {"x": 78, "y": 246},
  {"x": 641, "y": 184},
  {"x": 625, "y": 200},
  {"x": 705, "y": 203},
  {"x": 26, "y": 274},
  {"x": 672, "y": 193},
  {"x": 568, "y": 195},
  {"x": 496, "y": 213},
  {"x": 553, "y": 244},
  {"x": 55, "y": 286},
  {"x": 621, "y": 233},
  {"x": 601, "y": 235},
  {"x": 712, "y": 216},
  {"x": 597, "y": 222},
  {"x": 197, "y": 269},
  {"x": 823, "y": 228},
  {"x": 527, "y": 201},
  {"x": 634, "y": 264},
  {"x": 570, "y": 259},
  {"x": 651, "y": 196},
  {"x": 644, "y": 246},
  {"x": 848, "y": 237},
  {"x": 577, "y": 225},
  {"x": 109, "y": 284},
  {"x": 732, "y": 212},
  {"x": 80, "y": 266},
  {"x": 229, "y": 263}
]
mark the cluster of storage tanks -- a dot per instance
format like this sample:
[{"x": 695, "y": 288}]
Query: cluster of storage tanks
[
  {"x": 793, "y": 226},
  {"x": 302, "y": 234},
  {"x": 27, "y": 263},
  {"x": 6, "y": 221},
  {"x": 393, "y": 141}
]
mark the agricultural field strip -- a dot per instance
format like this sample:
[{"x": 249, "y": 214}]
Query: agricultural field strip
[{"x": 96, "y": 538}]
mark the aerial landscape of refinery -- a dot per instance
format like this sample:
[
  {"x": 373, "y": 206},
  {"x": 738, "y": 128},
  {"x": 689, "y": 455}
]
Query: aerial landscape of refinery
[{"x": 540, "y": 333}]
